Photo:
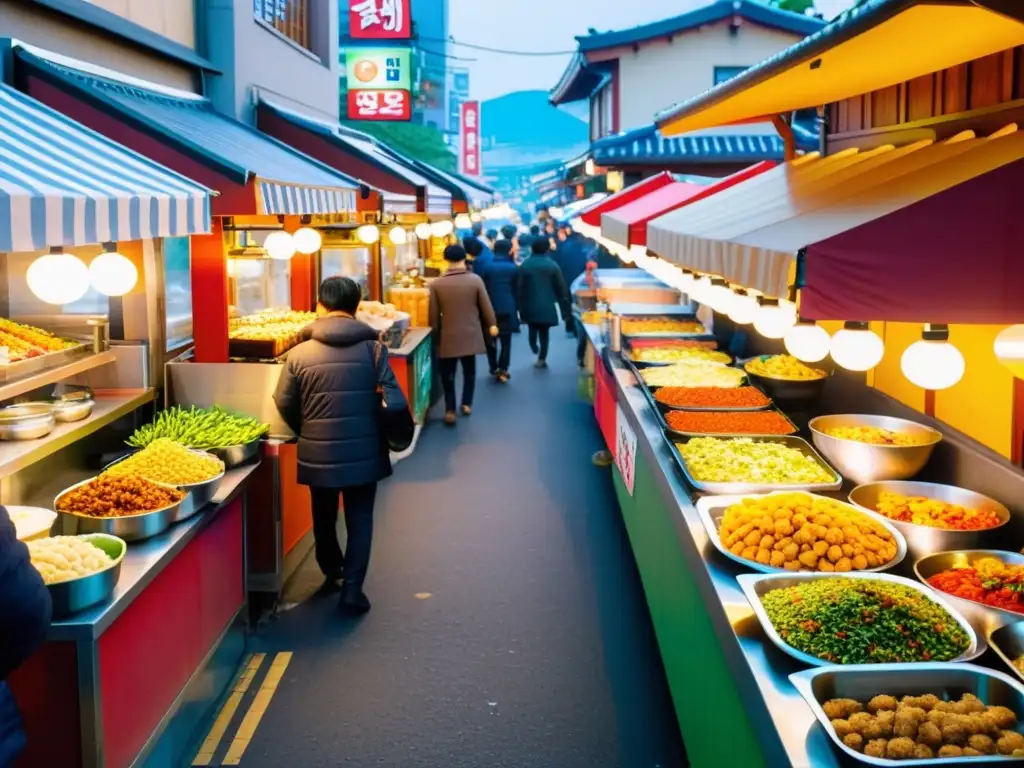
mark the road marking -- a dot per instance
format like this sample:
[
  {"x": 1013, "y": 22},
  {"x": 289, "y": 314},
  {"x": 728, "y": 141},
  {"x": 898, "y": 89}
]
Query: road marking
[
  {"x": 227, "y": 711},
  {"x": 256, "y": 710}
]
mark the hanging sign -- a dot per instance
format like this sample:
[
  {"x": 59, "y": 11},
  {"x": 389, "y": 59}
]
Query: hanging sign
[
  {"x": 379, "y": 83},
  {"x": 469, "y": 150},
  {"x": 379, "y": 19}
]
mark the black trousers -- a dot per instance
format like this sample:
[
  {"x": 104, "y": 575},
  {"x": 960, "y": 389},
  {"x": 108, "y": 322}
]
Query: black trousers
[
  {"x": 492, "y": 356},
  {"x": 448, "y": 367},
  {"x": 539, "y": 337},
  {"x": 581, "y": 342},
  {"x": 358, "y": 502},
  {"x": 505, "y": 355}
]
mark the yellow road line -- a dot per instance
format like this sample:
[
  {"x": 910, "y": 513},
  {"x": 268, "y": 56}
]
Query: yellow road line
[
  {"x": 227, "y": 711},
  {"x": 258, "y": 707}
]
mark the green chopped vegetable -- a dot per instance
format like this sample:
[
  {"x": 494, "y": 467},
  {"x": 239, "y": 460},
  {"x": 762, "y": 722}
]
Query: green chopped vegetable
[
  {"x": 743, "y": 460},
  {"x": 201, "y": 428}
]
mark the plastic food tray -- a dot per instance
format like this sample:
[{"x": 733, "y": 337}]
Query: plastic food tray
[
  {"x": 755, "y": 586},
  {"x": 711, "y": 510},
  {"x": 732, "y": 488}
]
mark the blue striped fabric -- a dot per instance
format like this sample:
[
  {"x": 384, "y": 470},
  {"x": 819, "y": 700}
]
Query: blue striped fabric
[{"x": 62, "y": 184}]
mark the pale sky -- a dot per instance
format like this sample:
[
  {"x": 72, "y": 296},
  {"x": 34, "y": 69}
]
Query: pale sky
[{"x": 548, "y": 25}]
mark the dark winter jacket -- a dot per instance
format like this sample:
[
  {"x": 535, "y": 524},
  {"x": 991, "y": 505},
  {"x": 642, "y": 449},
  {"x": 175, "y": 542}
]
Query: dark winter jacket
[
  {"x": 502, "y": 281},
  {"x": 24, "y": 618},
  {"x": 541, "y": 286},
  {"x": 328, "y": 394},
  {"x": 483, "y": 262},
  {"x": 571, "y": 256}
]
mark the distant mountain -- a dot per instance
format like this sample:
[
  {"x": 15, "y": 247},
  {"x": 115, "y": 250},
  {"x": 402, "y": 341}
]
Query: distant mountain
[{"x": 525, "y": 121}]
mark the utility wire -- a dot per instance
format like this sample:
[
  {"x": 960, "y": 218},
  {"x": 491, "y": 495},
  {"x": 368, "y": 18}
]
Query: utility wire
[{"x": 503, "y": 51}]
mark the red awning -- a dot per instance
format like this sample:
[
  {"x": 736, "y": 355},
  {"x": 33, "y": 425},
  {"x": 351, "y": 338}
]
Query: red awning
[
  {"x": 627, "y": 225},
  {"x": 592, "y": 215}
]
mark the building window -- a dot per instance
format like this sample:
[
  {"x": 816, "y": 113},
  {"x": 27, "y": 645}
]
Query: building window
[
  {"x": 289, "y": 17},
  {"x": 727, "y": 73}
]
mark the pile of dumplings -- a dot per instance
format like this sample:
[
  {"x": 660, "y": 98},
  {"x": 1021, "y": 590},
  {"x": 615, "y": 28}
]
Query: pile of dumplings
[{"x": 63, "y": 558}]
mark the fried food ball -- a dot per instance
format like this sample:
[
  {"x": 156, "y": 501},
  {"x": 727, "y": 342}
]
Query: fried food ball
[
  {"x": 886, "y": 720},
  {"x": 930, "y": 734},
  {"x": 953, "y": 730},
  {"x": 1002, "y": 716},
  {"x": 923, "y": 752},
  {"x": 836, "y": 709},
  {"x": 900, "y": 748},
  {"x": 842, "y": 727},
  {"x": 874, "y": 729},
  {"x": 982, "y": 743},
  {"x": 1009, "y": 742},
  {"x": 937, "y": 717},
  {"x": 971, "y": 752},
  {"x": 969, "y": 704},
  {"x": 854, "y": 741},
  {"x": 907, "y": 721},
  {"x": 950, "y": 750},
  {"x": 861, "y": 721},
  {"x": 989, "y": 722},
  {"x": 926, "y": 702},
  {"x": 876, "y": 748},
  {"x": 882, "y": 702},
  {"x": 945, "y": 706}
]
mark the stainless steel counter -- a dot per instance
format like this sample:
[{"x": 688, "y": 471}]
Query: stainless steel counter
[
  {"x": 785, "y": 726},
  {"x": 413, "y": 339},
  {"x": 144, "y": 561}
]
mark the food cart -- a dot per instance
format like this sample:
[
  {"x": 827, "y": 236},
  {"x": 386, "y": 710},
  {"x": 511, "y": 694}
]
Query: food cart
[{"x": 874, "y": 229}]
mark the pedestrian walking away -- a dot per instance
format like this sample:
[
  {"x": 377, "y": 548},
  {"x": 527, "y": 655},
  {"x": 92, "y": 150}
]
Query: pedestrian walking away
[
  {"x": 478, "y": 260},
  {"x": 541, "y": 288},
  {"x": 330, "y": 394},
  {"x": 502, "y": 281},
  {"x": 460, "y": 316}
]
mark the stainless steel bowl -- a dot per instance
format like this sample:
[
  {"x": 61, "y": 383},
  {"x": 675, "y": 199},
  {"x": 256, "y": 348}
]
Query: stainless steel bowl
[
  {"x": 867, "y": 463},
  {"x": 984, "y": 618},
  {"x": 711, "y": 510},
  {"x": 947, "y": 681},
  {"x": 72, "y": 410},
  {"x": 70, "y": 597},
  {"x": 790, "y": 391},
  {"x": 236, "y": 455},
  {"x": 756, "y": 586},
  {"x": 199, "y": 494},
  {"x": 27, "y": 421},
  {"x": 128, "y": 527},
  {"x": 923, "y": 540},
  {"x": 1008, "y": 643}
]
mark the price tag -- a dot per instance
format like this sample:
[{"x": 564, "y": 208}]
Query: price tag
[{"x": 625, "y": 449}]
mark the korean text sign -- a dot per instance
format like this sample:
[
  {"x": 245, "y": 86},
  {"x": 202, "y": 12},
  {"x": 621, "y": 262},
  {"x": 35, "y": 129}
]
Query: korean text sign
[
  {"x": 469, "y": 149},
  {"x": 379, "y": 83},
  {"x": 379, "y": 19}
]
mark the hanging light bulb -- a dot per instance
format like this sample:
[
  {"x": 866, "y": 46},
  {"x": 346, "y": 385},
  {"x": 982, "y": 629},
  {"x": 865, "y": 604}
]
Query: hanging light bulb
[
  {"x": 933, "y": 363},
  {"x": 368, "y": 234},
  {"x": 773, "y": 319},
  {"x": 441, "y": 228},
  {"x": 462, "y": 221},
  {"x": 279, "y": 245},
  {"x": 718, "y": 296},
  {"x": 1009, "y": 349},
  {"x": 111, "y": 273},
  {"x": 307, "y": 240},
  {"x": 397, "y": 236},
  {"x": 743, "y": 307},
  {"x": 856, "y": 347},
  {"x": 701, "y": 286},
  {"x": 807, "y": 341},
  {"x": 58, "y": 277},
  {"x": 423, "y": 231},
  {"x": 475, "y": 217}
]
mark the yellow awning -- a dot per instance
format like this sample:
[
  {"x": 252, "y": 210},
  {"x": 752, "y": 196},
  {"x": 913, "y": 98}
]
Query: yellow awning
[
  {"x": 883, "y": 43},
  {"x": 750, "y": 234}
]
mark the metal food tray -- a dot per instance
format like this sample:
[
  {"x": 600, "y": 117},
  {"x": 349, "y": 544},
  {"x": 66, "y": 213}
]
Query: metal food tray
[
  {"x": 1008, "y": 643},
  {"x": 947, "y": 681},
  {"x": 653, "y": 363},
  {"x": 732, "y": 488},
  {"x": 39, "y": 362},
  {"x": 754, "y": 586},
  {"x": 199, "y": 494},
  {"x": 665, "y": 407},
  {"x": 126, "y": 527},
  {"x": 711, "y": 510},
  {"x": 674, "y": 434},
  {"x": 236, "y": 455},
  {"x": 74, "y": 595}
]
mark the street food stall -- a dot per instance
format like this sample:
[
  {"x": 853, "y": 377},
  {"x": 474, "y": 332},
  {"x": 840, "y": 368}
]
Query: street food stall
[{"x": 850, "y": 447}]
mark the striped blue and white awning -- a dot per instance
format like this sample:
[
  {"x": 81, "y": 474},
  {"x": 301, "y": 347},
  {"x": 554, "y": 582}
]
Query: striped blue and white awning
[
  {"x": 62, "y": 184},
  {"x": 283, "y": 198}
]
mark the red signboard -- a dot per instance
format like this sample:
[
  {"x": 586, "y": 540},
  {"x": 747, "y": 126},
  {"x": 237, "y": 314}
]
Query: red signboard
[
  {"x": 379, "y": 105},
  {"x": 379, "y": 19},
  {"x": 469, "y": 150}
]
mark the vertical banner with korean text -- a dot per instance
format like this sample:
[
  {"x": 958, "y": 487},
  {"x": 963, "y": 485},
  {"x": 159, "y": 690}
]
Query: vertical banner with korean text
[
  {"x": 379, "y": 19},
  {"x": 469, "y": 151}
]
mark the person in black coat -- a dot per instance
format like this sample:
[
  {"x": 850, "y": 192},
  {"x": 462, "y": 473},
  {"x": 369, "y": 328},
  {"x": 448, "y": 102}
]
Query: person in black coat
[
  {"x": 541, "y": 287},
  {"x": 25, "y": 613},
  {"x": 330, "y": 394},
  {"x": 502, "y": 281}
]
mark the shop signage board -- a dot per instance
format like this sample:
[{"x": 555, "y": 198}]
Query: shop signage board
[
  {"x": 625, "y": 449},
  {"x": 469, "y": 147},
  {"x": 379, "y": 83},
  {"x": 379, "y": 19}
]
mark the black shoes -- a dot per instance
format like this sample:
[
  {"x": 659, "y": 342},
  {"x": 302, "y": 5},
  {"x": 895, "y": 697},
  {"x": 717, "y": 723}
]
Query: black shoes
[{"x": 354, "y": 602}]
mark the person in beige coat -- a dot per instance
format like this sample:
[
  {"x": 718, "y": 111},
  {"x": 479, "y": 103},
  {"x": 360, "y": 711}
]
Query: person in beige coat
[{"x": 460, "y": 312}]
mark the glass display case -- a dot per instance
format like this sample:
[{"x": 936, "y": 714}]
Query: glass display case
[
  {"x": 178, "y": 286},
  {"x": 348, "y": 260}
]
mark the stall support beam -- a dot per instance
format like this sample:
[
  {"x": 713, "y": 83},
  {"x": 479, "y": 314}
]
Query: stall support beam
[
  {"x": 303, "y": 281},
  {"x": 785, "y": 130},
  {"x": 210, "y": 295}
]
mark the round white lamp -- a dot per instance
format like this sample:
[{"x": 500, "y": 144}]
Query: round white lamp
[
  {"x": 462, "y": 221},
  {"x": 719, "y": 295},
  {"x": 773, "y": 318},
  {"x": 856, "y": 347},
  {"x": 398, "y": 236},
  {"x": 441, "y": 228},
  {"x": 933, "y": 363},
  {"x": 423, "y": 231},
  {"x": 279, "y": 245},
  {"x": 58, "y": 277},
  {"x": 1009, "y": 349},
  {"x": 743, "y": 307},
  {"x": 807, "y": 341},
  {"x": 307, "y": 240},
  {"x": 112, "y": 273},
  {"x": 368, "y": 234}
]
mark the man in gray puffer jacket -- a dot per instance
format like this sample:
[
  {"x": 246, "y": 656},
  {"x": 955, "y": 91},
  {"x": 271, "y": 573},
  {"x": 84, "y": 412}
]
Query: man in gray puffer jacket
[{"x": 330, "y": 394}]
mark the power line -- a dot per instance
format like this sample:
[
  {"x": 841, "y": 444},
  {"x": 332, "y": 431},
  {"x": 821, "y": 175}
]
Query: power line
[{"x": 503, "y": 51}]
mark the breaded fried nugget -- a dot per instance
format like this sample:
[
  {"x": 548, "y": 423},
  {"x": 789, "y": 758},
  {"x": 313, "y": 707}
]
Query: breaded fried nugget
[
  {"x": 907, "y": 721},
  {"x": 876, "y": 748},
  {"x": 836, "y": 709},
  {"x": 982, "y": 743},
  {"x": 929, "y": 733},
  {"x": 854, "y": 741},
  {"x": 900, "y": 748},
  {"x": 882, "y": 702}
]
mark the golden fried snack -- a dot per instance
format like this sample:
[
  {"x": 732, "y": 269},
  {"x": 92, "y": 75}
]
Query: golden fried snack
[
  {"x": 841, "y": 708},
  {"x": 110, "y": 496}
]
